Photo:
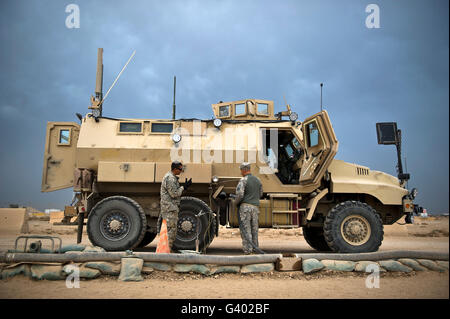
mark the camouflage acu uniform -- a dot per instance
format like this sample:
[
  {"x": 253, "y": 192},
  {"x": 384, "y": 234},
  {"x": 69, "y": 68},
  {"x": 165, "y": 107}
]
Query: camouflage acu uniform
[
  {"x": 170, "y": 204},
  {"x": 248, "y": 192}
]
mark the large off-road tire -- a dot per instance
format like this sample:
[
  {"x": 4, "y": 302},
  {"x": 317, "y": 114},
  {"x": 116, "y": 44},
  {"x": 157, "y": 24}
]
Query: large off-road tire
[
  {"x": 116, "y": 223},
  {"x": 315, "y": 237},
  {"x": 148, "y": 238},
  {"x": 187, "y": 223},
  {"x": 353, "y": 227}
]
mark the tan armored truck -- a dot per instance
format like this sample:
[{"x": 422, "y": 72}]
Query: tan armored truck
[{"x": 115, "y": 167}]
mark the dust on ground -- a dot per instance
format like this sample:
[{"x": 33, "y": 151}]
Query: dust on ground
[{"x": 275, "y": 285}]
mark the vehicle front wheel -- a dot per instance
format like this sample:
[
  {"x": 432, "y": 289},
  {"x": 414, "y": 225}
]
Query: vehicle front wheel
[{"x": 353, "y": 227}]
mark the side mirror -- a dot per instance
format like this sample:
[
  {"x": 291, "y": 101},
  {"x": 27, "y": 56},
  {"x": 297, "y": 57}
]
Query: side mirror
[{"x": 387, "y": 133}]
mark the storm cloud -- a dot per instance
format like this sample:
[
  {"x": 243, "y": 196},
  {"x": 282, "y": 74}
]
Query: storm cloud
[{"x": 228, "y": 50}]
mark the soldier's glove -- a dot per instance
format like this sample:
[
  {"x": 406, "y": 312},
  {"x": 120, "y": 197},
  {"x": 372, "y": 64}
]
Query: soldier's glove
[{"x": 187, "y": 183}]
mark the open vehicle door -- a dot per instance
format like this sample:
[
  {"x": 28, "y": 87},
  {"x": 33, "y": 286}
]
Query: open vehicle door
[
  {"x": 59, "y": 157},
  {"x": 321, "y": 146}
]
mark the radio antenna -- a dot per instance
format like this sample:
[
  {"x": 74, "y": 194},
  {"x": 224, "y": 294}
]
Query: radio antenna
[
  {"x": 104, "y": 98},
  {"x": 321, "y": 85},
  {"x": 174, "y": 90},
  {"x": 406, "y": 169}
]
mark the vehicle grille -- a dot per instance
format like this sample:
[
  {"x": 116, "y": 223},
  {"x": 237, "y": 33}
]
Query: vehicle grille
[{"x": 362, "y": 171}]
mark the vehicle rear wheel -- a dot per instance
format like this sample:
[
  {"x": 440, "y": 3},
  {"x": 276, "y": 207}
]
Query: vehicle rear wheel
[
  {"x": 315, "y": 237},
  {"x": 116, "y": 223},
  {"x": 148, "y": 238},
  {"x": 353, "y": 227},
  {"x": 188, "y": 223}
]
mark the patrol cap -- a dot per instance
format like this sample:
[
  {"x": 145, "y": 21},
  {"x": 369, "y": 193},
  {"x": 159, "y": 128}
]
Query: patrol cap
[
  {"x": 245, "y": 166},
  {"x": 176, "y": 164}
]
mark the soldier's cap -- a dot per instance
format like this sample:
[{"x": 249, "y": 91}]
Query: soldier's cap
[
  {"x": 245, "y": 166},
  {"x": 176, "y": 164}
]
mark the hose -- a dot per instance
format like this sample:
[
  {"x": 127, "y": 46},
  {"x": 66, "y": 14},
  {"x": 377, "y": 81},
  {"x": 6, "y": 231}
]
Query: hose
[
  {"x": 146, "y": 256},
  {"x": 209, "y": 259},
  {"x": 80, "y": 227},
  {"x": 379, "y": 255}
]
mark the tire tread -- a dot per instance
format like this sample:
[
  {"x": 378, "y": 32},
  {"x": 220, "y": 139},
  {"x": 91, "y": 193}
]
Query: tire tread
[
  {"x": 330, "y": 231},
  {"x": 130, "y": 201}
]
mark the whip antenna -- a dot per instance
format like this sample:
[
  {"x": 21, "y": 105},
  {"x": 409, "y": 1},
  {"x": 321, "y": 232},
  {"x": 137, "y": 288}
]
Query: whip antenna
[
  {"x": 104, "y": 98},
  {"x": 321, "y": 85},
  {"x": 174, "y": 88}
]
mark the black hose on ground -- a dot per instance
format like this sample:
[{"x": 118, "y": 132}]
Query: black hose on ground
[
  {"x": 10, "y": 258},
  {"x": 80, "y": 227},
  {"x": 379, "y": 255},
  {"x": 146, "y": 256}
]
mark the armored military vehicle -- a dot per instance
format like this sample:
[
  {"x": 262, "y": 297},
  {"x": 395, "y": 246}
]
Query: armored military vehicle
[{"x": 115, "y": 167}]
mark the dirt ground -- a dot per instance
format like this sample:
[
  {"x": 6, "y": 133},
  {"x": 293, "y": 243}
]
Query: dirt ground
[
  {"x": 290, "y": 285},
  {"x": 430, "y": 234}
]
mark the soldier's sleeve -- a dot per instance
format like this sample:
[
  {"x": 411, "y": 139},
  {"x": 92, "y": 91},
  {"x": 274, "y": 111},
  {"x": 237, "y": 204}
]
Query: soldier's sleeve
[
  {"x": 240, "y": 189},
  {"x": 172, "y": 188},
  {"x": 260, "y": 189}
]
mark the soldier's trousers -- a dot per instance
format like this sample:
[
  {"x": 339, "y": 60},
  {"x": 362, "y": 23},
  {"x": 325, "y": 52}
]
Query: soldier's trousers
[
  {"x": 172, "y": 221},
  {"x": 248, "y": 227}
]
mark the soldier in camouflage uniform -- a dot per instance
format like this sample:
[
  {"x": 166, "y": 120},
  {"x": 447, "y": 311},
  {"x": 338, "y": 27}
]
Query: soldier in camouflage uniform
[
  {"x": 248, "y": 192},
  {"x": 170, "y": 200}
]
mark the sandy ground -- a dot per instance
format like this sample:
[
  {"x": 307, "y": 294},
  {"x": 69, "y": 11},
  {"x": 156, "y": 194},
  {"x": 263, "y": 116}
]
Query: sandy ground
[
  {"x": 291, "y": 285},
  {"x": 429, "y": 234}
]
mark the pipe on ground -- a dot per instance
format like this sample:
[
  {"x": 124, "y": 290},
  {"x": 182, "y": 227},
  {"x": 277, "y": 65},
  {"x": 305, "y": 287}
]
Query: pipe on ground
[
  {"x": 209, "y": 259},
  {"x": 379, "y": 255},
  {"x": 150, "y": 257}
]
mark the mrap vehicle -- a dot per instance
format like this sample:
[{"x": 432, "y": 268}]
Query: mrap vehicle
[{"x": 116, "y": 166}]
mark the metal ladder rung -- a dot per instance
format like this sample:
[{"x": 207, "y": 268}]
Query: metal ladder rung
[
  {"x": 284, "y": 212},
  {"x": 285, "y": 226},
  {"x": 291, "y": 199},
  {"x": 283, "y": 195}
]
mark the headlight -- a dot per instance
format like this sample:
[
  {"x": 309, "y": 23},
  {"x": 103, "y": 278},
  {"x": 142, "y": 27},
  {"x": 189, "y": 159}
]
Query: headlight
[
  {"x": 217, "y": 123},
  {"x": 176, "y": 138},
  {"x": 293, "y": 117},
  {"x": 215, "y": 179},
  {"x": 413, "y": 193}
]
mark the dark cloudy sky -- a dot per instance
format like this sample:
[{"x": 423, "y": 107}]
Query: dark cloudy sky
[{"x": 227, "y": 50}]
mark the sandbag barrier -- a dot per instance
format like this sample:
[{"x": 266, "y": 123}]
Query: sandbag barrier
[{"x": 92, "y": 262}]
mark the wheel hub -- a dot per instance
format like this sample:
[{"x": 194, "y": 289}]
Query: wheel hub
[
  {"x": 115, "y": 225},
  {"x": 355, "y": 230},
  {"x": 186, "y": 225}
]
